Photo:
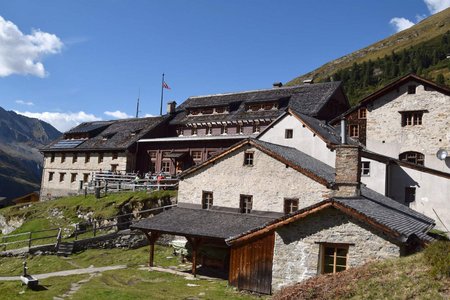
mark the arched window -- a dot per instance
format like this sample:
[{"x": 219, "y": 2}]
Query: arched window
[{"x": 413, "y": 157}]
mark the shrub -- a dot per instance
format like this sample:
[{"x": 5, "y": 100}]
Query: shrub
[{"x": 437, "y": 255}]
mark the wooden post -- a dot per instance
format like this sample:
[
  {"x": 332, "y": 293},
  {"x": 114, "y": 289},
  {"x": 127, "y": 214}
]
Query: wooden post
[
  {"x": 152, "y": 237},
  {"x": 195, "y": 242},
  {"x": 95, "y": 227}
]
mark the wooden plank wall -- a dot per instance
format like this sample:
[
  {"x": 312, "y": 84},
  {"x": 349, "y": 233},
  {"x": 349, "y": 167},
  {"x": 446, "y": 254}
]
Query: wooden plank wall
[{"x": 251, "y": 265}]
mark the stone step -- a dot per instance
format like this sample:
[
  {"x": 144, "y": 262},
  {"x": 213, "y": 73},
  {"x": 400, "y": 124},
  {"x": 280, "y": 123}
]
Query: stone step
[{"x": 65, "y": 249}]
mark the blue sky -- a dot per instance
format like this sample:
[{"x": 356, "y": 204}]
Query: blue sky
[{"x": 72, "y": 61}]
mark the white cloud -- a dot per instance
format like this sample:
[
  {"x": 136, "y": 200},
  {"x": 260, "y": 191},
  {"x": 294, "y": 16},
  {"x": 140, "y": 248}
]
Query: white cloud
[
  {"x": 118, "y": 114},
  {"x": 148, "y": 116},
  {"x": 29, "y": 103},
  {"x": 435, "y": 6},
  {"x": 22, "y": 53},
  {"x": 401, "y": 23},
  {"x": 62, "y": 121}
]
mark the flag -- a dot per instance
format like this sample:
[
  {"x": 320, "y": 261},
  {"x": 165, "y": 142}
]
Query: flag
[{"x": 165, "y": 85}]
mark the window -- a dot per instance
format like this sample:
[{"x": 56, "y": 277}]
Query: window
[
  {"x": 196, "y": 155},
  {"x": 288, "y": 133},
  {"x": 290, "y": 205},
  {"x": 100, "y": 157},
  {"x": 411, "y": 89},
  {"x": 52, "y": 157},
  {"x": 413, "y": 157},
  {"x": 365, "y": 168},
  {"x": 61, "y": 177},
  {"x": 354, "y": 130},
  {"x": 220, "y": 110},
  {"x": 74, "y": 158},
  {"x": 246, "y": 203},
  {"x": 73, "y": 177},
  {"x": 256, "y": 128},
  {"x": 165, "y": 166},
  {"x": 411, "y": 118},
  {"x": 208, "y": 130},
  {"x": 194, "y": 131},
  {"x": 207, "y": 200},
  {"x": 334, "y": 258},
  {"x": 50, "y": 176},
  {"x": 85, "y": 177},
  {"x": 248, "y": 159},
  {"x": 87, "y": 157},
  {"x": 362, "y": 113},
  {"x": 115, "y": 155},
  {"x": 63, "y": 157},
  {"x": 410, "y": 194}
]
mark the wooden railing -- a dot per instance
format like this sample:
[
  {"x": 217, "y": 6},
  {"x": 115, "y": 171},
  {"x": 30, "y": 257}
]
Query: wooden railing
[{"x": 26, "y": 239}]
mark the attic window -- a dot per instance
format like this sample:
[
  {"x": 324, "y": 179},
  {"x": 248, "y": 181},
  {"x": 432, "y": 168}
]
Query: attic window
[
  {"x": 288, "y": 133},
  {"x": 207, "y": 200},
  {"x": 246, "y": 204},
  {"x": 108, "y": 136},
  {"x": 248, "y": 159},
  {"x": 411, "y": 89},
  {"x": 413, "y": 157},
  {"x": 135, "y": 132},
  {"x": 52, "y": 157},
  {"x": 362, "y": 113},
  {"x": 290, "y": 205}
]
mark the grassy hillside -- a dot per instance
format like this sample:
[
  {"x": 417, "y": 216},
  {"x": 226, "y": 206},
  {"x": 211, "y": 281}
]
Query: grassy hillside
[
  {"x": 423, "y": 37},
  {"x": 421, "y": 276}
]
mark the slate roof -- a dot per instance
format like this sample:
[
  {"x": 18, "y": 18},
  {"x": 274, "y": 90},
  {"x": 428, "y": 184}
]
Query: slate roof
[
  {"x": 201, "y": 223},
  {"x": 307, "y": 99},
  {"x": 117, "y": 135},
  {"x": 291, "y": 156}
]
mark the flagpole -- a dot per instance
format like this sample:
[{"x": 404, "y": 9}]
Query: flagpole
[
  {"x": 137, "y": 106},
  {"x": 162, "y": 95}
]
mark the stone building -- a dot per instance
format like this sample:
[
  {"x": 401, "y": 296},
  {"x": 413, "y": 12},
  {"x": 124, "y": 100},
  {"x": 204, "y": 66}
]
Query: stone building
[
  {"x": 92, "y": 147},
  {"x": 281, "y": 216}
]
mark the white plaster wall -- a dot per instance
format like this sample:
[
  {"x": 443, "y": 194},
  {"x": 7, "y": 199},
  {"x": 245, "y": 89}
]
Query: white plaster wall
[
  {"x": 268, "y": 181},
  {"x": 377, "y": 178},
  {"x": 297, "y": 252},
  {"x": 55, "y": 188},
  {"x": 385, "y": 134},
  {"x": 303, "y": 139},
  {"x": 432, "y": 193}
]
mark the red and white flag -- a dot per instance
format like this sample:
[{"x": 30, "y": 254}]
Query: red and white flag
[{"x": 165, "y": 85}]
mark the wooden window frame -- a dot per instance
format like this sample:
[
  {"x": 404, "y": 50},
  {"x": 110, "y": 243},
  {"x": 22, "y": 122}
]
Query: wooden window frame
[
  {"x": 165, "y": 163},
  {"x": 289, "y": 133},
  {"x": 362, "y": 113},
  {"x": 244, "y": 202},
  {"x": 352, "y": 132},
  {"x": 365, "y": 166},
  {"x": 335, "y": 246},
  {"x": 412, "y": 118},
  {"x": 413, "y": 157},
  {"x": 194, "y": 155},
  {"x": 207, "y": 199},
  {"x": 289, "y": 204},
  {"x": 249, "y": 158}
]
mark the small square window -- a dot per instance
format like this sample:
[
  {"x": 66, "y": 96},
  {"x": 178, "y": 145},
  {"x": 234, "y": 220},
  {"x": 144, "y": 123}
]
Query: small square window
[
  {"x": 73, "y": 177},
  {"x": 365, "y": 168},
  {"x": 50, "y": 176},
  {"x": 248, "y": 159},
  {"x": 246, "y": 203},
  {"x": 411, "y": 118},
  {"x": 165, "y": 166},
  {"x": 354, "y": 130},
  {"x": 196, "y": 155},
  {"x": 411, "y": 89},
  {"x": 410, "y": 194},
  {"x": 362, "y": 113},
  {"x": 288, "y": 133},
  {"x": 290, "y": 205},
  {"x": 207, "y": 200},
  {"x": 334, "y": 258}
]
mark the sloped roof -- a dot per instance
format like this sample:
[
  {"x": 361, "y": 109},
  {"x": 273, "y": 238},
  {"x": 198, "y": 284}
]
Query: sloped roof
[
  {"x": 292, "y": 157},
  {"x": 307, "y": 99},
  {"x": 117, "y": 135},
  {"x": 201, "y": 223}
]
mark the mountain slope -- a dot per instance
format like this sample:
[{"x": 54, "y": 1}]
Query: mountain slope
[
  {"x": 20, "y": 160},
  {"x": 424, "y": 34}
]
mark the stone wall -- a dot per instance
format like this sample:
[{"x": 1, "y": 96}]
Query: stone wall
[
  {"x": 297, "y": 248},
  {"x": 268, "y": 181},
  {"x": 57, "y": 188},
  {"x": 386, "y": 135}
]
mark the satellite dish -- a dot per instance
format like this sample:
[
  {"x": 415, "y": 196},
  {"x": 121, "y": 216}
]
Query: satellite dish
[{"x": 442, "y": 154}]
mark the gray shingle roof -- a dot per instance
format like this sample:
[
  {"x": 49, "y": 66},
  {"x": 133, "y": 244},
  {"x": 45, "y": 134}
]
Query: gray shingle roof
[
  {"x": 307, "y": 99},
  {"x": 201, "y": 223},
  {"x": 119, "y": 134}
]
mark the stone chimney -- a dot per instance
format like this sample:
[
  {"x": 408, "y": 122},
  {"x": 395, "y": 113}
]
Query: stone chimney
[
  {"x": 348, "y": 170},
  {"x": 171, "y": 107}
]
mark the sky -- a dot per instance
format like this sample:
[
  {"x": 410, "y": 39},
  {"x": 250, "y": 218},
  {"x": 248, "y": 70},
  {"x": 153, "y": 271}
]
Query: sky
[{"x": 68, "y": 62}]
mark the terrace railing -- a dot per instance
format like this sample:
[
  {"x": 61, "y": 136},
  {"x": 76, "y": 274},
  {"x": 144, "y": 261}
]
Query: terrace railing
[{"x": 30, "y": 239}]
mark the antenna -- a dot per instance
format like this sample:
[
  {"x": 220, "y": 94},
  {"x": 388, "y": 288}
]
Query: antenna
[{"x": 137, "y": 106}]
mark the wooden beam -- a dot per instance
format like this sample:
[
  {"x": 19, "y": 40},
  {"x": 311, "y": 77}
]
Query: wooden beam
[
  {"x": 152, "y": 237},
  {"x": 195, "y": 242}
]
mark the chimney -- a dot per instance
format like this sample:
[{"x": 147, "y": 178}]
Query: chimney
[
  {"x": 277, "y": 84},
  {"x": 308, "y": 81},
  {"x": 171, "y": 107},
  {"x": 343, "y": 131},
  {"x": 348, "y": 170}
]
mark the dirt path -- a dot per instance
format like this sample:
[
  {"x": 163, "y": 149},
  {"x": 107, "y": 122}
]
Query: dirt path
[{"x": 74, "y": 287}]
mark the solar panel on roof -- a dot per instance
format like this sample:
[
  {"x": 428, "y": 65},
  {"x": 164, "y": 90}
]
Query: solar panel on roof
[
  {"x": 66, "y": 144},
  {"x": 89, "y": 127}
]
